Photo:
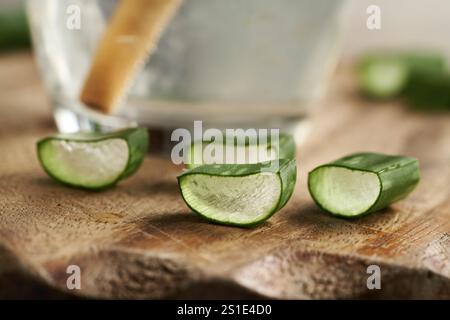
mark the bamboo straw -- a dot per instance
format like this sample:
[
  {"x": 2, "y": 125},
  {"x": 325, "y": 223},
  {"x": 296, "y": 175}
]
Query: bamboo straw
[{"x": 130, "y": 38}]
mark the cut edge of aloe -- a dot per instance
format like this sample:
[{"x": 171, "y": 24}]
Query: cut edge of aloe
[
  {"x": 383, "y": 79},
  {"x": 136, "y": 140},
  {"x": 287, "y": 150},
  {"x": 285, "y": 175},
  {"x": 394, "y": 176}
]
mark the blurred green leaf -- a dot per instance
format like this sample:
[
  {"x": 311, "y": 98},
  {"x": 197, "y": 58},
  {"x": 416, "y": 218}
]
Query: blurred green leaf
[
  {"x": 386, "y": 75},
  {"x": 429, "y": 91},
  {"x": 421, "y": 78},
  {"x": 14, "y": 30}
]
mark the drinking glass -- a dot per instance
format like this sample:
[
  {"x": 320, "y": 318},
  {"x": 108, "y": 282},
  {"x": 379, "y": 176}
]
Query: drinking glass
[{"x": 231, "y": 64}]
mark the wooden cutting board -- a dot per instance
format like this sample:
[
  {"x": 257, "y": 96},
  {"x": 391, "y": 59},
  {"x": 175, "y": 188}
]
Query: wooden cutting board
[{"x": 139, "y": 240}]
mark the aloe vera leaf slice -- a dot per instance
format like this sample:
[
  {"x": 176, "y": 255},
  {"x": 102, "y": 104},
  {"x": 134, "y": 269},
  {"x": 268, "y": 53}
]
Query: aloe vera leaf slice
[
  {"x": 386, "y": 75},
  {"x": 362, "y": 183},
  {"x": 285, "y": 150},
  {"x": 242, "y": 195},
  {"x": 93, "y": 160}
]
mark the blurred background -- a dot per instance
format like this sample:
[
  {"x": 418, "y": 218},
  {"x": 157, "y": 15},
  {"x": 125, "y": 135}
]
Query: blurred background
[
  {"x": 14, "y": 33},
  {"x": 405, "y": 23}
]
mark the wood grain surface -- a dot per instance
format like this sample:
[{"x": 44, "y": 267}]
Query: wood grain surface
[{"x": 139, "y": 240}]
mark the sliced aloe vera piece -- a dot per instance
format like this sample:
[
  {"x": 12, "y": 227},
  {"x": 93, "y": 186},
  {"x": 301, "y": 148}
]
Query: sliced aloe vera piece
[
  {"x": 239, "y": 194},
  {"x": 93, "y": 160},
  {"x": 386, "y": 75},
  {"x": 362, "y": 183},
  {"x": 236, "y": 152}
]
